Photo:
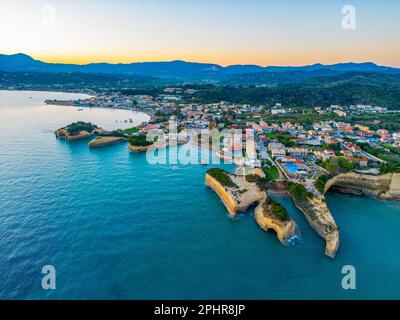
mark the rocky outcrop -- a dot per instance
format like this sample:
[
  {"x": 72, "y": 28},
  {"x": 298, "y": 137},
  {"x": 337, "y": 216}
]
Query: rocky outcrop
[
  {"x": 383, "y": 186},
  {"x": 265, "y": 218},
  {"x": 104, "y": 141},
  {"x": 393, "y": 193},
  {"x": 138, "y": 148},
  {"x": 63, "y": 133},
  {"x": 320, "y": 218},
  {"x": 152, "y": 147},
  {"x": 236, "y": 199}
]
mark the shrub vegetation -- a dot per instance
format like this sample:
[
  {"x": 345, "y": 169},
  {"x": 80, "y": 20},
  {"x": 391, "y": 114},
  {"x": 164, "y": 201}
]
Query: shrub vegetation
[
  {"x": 140, "y": 141},
  {"x": 76, "y": 127},
  {"x": 277, "y": 210},
  {"x": 222, "y": 177}
]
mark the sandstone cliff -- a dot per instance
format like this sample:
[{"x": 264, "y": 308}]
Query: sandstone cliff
[
  {"x": 63, "y": 133},
  {"x": 155, "y": 146},
  {"x": 236, "y": 199},
  {"x": 104, "y": 141},
  {"x": 384, "y": 186},
  {"x": 268, "y": 221},
  {"x": 138, "y": 148},
  {"x": 320, "y": 218}
]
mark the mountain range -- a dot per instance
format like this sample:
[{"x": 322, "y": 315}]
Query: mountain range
[{"x": 192, "y": 70}]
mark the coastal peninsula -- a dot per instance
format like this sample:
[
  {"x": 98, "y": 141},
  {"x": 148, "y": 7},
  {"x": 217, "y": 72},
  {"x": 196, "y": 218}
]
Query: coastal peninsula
[
  {"x": 83, "y": 130},
  {"x": 238, "y": 195},
  {"x": 318, "y": 215},
  {"x": 78, "y": 131},
  {"x": 301, "y": 160}
]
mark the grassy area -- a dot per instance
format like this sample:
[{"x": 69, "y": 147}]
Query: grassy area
[
  {"x": 222, "y": 177},
  {"x": 393, "y": 162},
  {"x": 390, "y": 158},
  {"x": 271, "y": 173},
  {"x": 277, "y": 210},
  {"x": 392, "y": 149},
  {"x": 284, "y": 138},
  {"x": 130, "y": 130}
]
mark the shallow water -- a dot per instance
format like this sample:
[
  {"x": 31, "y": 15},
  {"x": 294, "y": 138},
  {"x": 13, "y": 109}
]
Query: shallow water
[{"x": 115, "y": 227}]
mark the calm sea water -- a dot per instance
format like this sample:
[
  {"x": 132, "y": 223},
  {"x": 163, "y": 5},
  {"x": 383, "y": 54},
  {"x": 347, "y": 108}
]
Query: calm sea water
[{"x": 115, "y": 227}]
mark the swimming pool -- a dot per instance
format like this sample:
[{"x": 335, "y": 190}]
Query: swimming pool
[{"x": 291, "y": 167}]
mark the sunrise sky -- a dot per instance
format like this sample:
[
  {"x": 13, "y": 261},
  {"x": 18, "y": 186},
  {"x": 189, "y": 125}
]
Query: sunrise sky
[{"x": 217, "y": 31}]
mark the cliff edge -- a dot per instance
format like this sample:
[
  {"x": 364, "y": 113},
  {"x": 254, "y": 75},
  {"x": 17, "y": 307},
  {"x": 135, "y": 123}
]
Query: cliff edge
[
  {"x": 383, "y": 186},
  {"x": 320, "y": 218},
  {"x": 238, "y": 195},
  {"x": 267, "y": 220},
  {"x": 104, "y": 141}
]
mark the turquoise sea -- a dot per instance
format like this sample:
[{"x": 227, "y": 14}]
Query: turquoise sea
[{"x": 115, "y": 227}]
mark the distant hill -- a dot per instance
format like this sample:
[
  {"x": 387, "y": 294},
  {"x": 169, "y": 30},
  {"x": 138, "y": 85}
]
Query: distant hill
[
  {"x": 191, "y": 70},
  {"x": 348, "y": 88},
  {"x": 71, "y": 81},
  {"x": 343, "y": 83}
]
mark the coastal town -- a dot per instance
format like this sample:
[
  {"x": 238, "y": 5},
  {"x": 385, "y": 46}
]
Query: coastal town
[
  {"x": 304, "y": 159},
  {"x": 300, "y": 150},
  {"x": 159, "y": 152}
]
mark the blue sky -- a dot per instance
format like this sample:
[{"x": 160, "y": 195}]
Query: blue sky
[{"x": 291, "y": 32}]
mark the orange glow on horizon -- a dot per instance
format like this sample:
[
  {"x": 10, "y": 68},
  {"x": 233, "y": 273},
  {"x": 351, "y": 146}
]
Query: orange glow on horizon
[{"x": 293, "y": 59}]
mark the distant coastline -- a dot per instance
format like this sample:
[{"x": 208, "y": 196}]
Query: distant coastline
[{"x": 72, "y": 103}]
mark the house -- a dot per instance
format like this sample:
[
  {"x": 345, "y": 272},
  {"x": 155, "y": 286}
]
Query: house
[
  {"x": 278, "y": 111},
  {"x": 362, "y": 162},
  {"x": 382, "y": 132},
  {"x": 361, "y": 127},
  {"x": 255, "y": 126},
  {"x": 289, "y": 159},
  {"x": 353, "y": 147},
  {"x": 331, "y": 140},
  {"x": 329, "y": 153},
  {"x": 365, "y": 134},
  {"x": 300, "y": 152},
  {"x": 311, "y": 142},
  {"x": 396, "y": 135},
  {"x": 277, "y": 149},
  {"x": 340, "y": 113},
  {"x": 346, "y": 153},
  {"x": 324, "y": 155}
]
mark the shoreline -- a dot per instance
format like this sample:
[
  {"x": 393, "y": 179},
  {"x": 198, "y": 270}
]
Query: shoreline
[
  {"x": 44, "y": 91},
  {"x": 64, "y": 103}
]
